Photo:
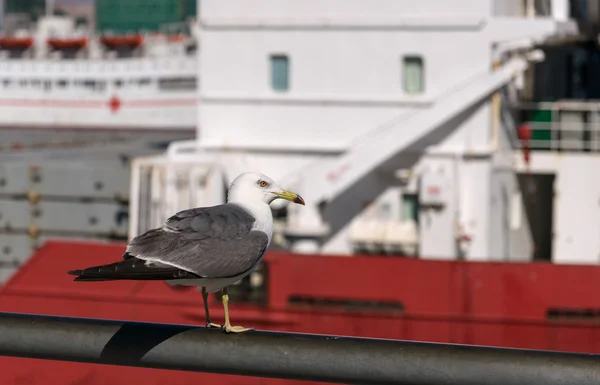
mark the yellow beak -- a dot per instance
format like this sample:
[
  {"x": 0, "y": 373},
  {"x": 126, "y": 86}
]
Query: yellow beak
[{"x": 290, "y": 196}]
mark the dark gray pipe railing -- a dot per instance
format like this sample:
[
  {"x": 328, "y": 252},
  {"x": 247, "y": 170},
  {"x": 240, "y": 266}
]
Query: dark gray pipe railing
[{"x": 287, "y": 355}]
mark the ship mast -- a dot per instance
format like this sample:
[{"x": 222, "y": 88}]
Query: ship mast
[{"x": 49, "y": 7}]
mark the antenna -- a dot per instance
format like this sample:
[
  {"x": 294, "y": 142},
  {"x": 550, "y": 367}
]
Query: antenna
[{"x": 49, "y": 7}]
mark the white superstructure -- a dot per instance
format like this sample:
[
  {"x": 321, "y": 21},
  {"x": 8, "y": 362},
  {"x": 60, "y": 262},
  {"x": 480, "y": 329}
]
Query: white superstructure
[
  {"x": 392, "y": 118},
  {"x": 60, "y": 75}
]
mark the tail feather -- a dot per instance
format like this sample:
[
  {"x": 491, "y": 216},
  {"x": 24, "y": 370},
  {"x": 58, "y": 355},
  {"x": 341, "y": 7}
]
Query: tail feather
[{"x": 130, "y": 269}]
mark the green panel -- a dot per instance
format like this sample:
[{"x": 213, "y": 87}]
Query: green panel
[
  {"x": 541, "y": 116},
  {"x": 34, "y": 8},
  {"x": 541, "y": 135},
  {"x": 121, "y": 16},
  {"x": 191, "y": 7}
]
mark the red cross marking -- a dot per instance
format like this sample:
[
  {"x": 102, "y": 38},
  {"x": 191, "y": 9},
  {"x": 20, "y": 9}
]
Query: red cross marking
[{"x": 114, "y": 104}]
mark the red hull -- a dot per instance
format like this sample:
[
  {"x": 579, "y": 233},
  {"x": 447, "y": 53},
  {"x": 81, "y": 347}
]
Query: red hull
[{"x": 538, "y": 306}]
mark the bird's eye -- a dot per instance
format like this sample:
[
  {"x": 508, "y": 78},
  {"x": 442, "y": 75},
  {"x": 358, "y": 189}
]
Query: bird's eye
[{"x": 262, "y": 183}]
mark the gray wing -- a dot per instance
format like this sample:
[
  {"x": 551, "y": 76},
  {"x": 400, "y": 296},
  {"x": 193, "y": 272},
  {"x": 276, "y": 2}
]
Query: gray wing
[{"x": 212, "y": 242}]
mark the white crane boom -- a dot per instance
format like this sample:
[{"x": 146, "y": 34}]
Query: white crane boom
[
  {"x": 414, "y": 134},
  {"x": 364, "y": 172}
]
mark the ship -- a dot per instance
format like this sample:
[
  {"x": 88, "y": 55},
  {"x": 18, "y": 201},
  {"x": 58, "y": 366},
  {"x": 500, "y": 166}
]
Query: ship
[
  {"x": 59, "y": 73},
  {"x": 445, "y": 152}
]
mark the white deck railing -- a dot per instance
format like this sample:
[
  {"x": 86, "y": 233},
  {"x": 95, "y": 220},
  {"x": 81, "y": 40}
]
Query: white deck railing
[{"x": 561, "y": 126}]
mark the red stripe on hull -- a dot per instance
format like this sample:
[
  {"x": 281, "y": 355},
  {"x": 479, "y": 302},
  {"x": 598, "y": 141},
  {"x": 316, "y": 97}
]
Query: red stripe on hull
[{"x": 96, "y": 104}]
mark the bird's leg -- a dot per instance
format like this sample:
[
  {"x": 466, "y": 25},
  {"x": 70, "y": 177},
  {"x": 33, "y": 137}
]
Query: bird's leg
[
  {"x": 227, "y": 327},
  {"x": 205, "y": 299}
]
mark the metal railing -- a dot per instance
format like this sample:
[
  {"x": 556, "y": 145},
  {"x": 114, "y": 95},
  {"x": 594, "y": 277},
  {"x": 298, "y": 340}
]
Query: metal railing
[
  {"x": 567, "y": 125},
  {"x": 309, "y": 357}
]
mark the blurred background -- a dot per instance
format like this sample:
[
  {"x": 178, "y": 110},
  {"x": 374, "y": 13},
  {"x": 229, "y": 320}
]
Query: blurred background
[{"x": 448, "y": 154}]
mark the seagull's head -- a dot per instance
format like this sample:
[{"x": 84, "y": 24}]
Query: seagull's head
[{"x": 257, "y": 187}]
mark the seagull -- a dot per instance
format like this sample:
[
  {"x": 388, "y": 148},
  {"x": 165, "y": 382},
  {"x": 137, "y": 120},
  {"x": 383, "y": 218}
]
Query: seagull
[{"x": 208, "y": 247}]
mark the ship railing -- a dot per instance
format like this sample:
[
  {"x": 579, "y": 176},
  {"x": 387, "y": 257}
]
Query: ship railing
[
  {"x": 175, "y": 28},
  {"x": 561, "y": 126},
  {"x": 308, "y": 357},
  {"x": 161, "y": 186}
]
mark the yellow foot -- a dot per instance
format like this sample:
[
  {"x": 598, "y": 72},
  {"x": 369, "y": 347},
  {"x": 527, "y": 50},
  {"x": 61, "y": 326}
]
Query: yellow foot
[
  {"x": 212, "y": 325},
  {"x": 235, "y": 329}
]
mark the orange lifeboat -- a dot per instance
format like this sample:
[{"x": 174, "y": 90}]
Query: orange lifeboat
[
  {"x": 131, "y": 41},
  {"x": 67, "y": 43},
  {"x": 7, "y": 42}
]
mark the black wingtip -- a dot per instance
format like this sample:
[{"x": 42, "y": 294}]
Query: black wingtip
[
  {"x": 75, "y": 272},
  {"x": 84, "y": 279}
]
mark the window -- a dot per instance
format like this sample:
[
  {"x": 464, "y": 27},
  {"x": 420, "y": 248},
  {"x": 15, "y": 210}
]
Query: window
[
  {"x": 93, "y": 85},
  {"x": 413, "y": 76},
  {"x": 410, "y": 207},
  {"x": 88, "y": 83},
  {"x": 174, "y": 84},
  {"x": 280, "y": 72}
]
